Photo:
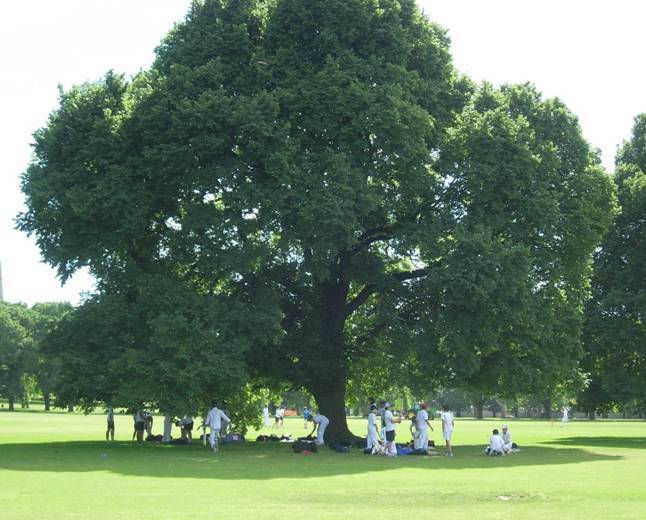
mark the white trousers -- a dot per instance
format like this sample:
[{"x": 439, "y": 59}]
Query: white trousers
[
  {"x": 421, "y": 441},
  {"x": 321, "y": 432},
  {"x": 373, "y": 440},
  {"x": 214, "y": 437}
]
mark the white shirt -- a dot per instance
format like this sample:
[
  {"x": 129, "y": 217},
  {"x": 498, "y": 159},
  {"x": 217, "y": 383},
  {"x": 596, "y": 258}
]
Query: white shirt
[
  {"x": 279, "y": 412},
  {"x": 388, "y": 418},
  {"x": 110, "y": 415},
  {"x": 496, "y": 443},
  {"x": 321, "y": 419},
  {"x": 215, "y": 417},
  {"x": 138, "y": 417},
  {"x": 372, "y": 421},
  {"x": 506, "y": 437},
  {"x": 447, "y": 420},
  {"x": 420, "y": 419},
  {"x": 186, "y": 420},
  {"x": 265, "y": 412}
]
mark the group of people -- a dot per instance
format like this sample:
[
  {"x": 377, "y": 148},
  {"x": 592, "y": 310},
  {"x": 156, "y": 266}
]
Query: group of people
[
  {"x": 500, "y": 444},
  {"x": 385, "y": 432},
  {"x": 143, "y": 423}
]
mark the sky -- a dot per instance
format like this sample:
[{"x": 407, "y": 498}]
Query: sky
[{"x": 589, "y": 53}]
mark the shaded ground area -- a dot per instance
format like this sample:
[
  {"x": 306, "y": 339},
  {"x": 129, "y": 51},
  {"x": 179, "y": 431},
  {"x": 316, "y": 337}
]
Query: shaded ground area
[
  {"x": 256, "y": 461},
  {"x": 601, "y": 442}
]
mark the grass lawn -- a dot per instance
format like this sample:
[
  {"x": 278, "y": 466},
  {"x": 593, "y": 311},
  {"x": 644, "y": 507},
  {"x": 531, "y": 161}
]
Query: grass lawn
[{"x": 55, "y": 465}]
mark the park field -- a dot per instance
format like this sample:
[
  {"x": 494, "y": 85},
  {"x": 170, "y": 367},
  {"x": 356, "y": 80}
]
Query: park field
[{"x": 56, "y": 465}]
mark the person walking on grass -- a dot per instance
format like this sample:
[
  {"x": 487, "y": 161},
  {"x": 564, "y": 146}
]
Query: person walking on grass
[
  {"x": 109, "y": 433},
  {"x": 306, "y": 415},
  {"x": 390, "y": 420},
  {"x": 447, "y": 428},
  {"x": 214, "y": 420},
  {"x": 265, "y": 416},
  {"x": 320, "y": 424}
]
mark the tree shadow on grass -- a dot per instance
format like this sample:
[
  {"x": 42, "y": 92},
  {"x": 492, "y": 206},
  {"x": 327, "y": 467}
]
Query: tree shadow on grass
[
  {"x": 256, "y": 461},
  {"x": 602, "y": 442}
]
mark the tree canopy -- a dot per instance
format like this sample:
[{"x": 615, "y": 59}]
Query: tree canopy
[
  {"x": 296, "y": 188},
  {"x": 615, "y": 330}
]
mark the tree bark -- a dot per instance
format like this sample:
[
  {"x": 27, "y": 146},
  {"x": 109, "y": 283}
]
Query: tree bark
[
  {"x": 331, "y": 403},
  {"x": 70, "y": 408},
  {"x": 12, "y": 402},
  {"x": 592, "y": 415},
  {"x": 547, "y": 408},
  {"x": 47, "y": 397},
  {"x": 479, "y": 408}
]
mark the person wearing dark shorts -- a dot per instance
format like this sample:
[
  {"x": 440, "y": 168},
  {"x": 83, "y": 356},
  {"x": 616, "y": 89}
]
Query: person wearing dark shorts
[
  {"x": 390, "y": 421},
  {"x": 186, "y": 424},
  {"x": 139, "y": 426}
]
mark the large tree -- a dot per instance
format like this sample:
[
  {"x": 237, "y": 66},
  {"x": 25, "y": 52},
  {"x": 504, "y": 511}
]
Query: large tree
[
  {"x": 615, "y": 329},
  {"x": 17, "y": 354},
  {"x": 326, "y": 156}
]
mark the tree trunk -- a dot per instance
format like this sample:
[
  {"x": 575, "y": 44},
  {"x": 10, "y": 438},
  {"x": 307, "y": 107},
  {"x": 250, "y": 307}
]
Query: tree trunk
[
  {"x": 547, "y": 408},
  {"x": 47, "y": 397},
  {"x": 12, "y": 402},
  {"x": 70, "y": 408},
  {"x": 331, "y": 403},
  {"x": 515, "y": 411},
  {"x": 168, "y": 427},
  {"x": 479, "y": 410},
  {"x": 592, "y": 415}
]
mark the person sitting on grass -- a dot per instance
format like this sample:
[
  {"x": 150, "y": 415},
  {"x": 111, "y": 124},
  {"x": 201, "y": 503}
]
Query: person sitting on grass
[
  {"x": 495, "y": 444},
  {"x": 507, "y": 443},
  {"x": 320, "y": 424}
]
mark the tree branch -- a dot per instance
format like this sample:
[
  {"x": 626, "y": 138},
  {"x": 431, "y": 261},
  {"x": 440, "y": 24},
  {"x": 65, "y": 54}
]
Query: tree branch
[
  {"x": 410, "y": 275},
  {"x": 360, "y": 298}
]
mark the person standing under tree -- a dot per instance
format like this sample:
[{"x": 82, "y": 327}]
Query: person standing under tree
[
  {"x": 139, "y": 426},
  {"x": 373, "y": 433},
  {"x": 320, "y": 424},
  {"x": 265, "y": 416},
  {"x": 447, "y": 428},
  {"x": 390, "y": 420},
  {"x": 109, "y": 433},
  {"x": 422, "y": 425}
]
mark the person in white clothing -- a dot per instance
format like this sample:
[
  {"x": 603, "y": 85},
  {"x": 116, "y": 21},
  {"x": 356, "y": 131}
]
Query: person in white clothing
[
  {"x": 390, "y": 420},
  {"x": 214, "y": 420},
  {"x": 422, "y": 424},
  {"x": 265, "y": 416},
  {"x": 507, "y": 443},
  {"x": 565, "y": 417},
  {"x": 495, "y": 444},
  {"x": 373, "y": 434},
  {"x": 320, "y": 424},
  {"x": 447, "y": 428}
]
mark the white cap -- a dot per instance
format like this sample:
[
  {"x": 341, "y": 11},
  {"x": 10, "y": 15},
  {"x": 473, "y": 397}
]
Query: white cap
[
  {"x": 504, "y": 427},
  {"x": 387, "y": 405}
]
